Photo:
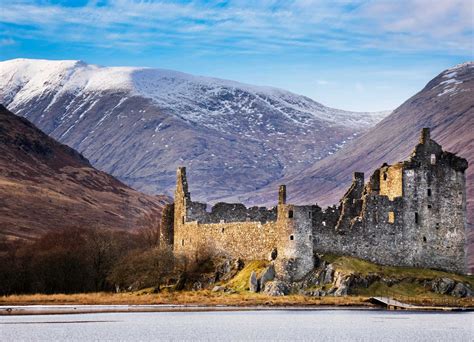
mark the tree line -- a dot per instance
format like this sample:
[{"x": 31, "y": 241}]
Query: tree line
[{"x": 86, "y": 260}]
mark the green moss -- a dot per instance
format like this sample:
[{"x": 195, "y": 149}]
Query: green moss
[
  {"x": 352, "y": 265},
  {"x": 241, "y": 281}
]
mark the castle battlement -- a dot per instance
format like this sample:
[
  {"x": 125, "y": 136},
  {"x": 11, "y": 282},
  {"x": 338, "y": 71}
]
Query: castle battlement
[{"x": 412, "y": 213}]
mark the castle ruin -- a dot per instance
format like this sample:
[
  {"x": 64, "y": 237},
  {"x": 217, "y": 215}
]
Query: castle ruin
[{"x": 412, "y": 213}]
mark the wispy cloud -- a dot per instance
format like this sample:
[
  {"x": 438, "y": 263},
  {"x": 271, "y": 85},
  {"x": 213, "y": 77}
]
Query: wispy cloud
[
  {"x": 6, "y": 42},
  {"x": 251, "y": 26}
]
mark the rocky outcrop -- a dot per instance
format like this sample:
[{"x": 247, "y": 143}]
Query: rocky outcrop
[
  {"x": 450, "y": 287},
  {"x": 267, "y": 275},
  {"x": 443, "y": 285},
  {"x": 276, "y": 288},
  {"x": 253, "y": 282}
]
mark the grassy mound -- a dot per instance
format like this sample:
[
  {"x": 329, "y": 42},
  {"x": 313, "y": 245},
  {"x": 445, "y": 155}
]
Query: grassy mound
[
  {"x": 352, "y": 265},
  {"x": 407, "y": 284},
  {"x": 240, "y": 282}
]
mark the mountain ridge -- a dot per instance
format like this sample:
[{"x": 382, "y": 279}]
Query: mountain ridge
[{"x": 224, "y": 131}]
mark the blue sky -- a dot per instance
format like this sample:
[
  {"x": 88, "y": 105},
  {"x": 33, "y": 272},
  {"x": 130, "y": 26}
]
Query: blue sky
[{"x": 355, "y": 55}]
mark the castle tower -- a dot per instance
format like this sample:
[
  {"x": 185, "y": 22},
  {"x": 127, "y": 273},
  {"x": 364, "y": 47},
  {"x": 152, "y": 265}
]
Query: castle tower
[
  {"x": 282, "y": 194},
  {"x": 425, "y": 135},
  {"x": 434, "y": 200},
  {"x": 295, "y": 241},
  {"x": 181, "y": 199}
]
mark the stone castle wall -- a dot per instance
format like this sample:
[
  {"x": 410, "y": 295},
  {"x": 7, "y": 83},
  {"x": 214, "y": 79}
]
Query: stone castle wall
[{"x": 408, "y": 214}]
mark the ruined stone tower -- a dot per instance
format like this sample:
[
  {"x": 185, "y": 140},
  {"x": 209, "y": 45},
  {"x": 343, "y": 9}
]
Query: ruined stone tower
[{"x": 412, "y": 213}]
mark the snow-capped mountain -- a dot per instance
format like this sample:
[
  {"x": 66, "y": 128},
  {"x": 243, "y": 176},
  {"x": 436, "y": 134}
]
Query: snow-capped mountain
[{"x": 139, "y": 124}]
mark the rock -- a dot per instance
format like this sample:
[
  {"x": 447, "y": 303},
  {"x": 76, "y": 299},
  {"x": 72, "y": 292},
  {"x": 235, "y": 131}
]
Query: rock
[
  {"x": 223, "y": 269},
  {"x": 197, "y": 286},
  {"x": 341, "y": 291},
  {"x": 276, "y": 288},
  {"x": 312, "y": 293},
  {"x": 442, "y": 285},
  {"x": 253, "y": 282},
  {"x": 461, "y": 290},
  {"x": 327, "y": 275},
  {"x": 218, "y": 288},
  {"x": 239, "y": 264},
  {"x": 268, "y": 275}
]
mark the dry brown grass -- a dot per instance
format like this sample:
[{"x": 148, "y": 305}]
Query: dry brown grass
[
  {"x": 204, "y": 297},
  {"x": 208, "y": 298}
]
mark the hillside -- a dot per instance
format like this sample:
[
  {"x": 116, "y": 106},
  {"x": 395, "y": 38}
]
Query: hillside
[
  {"x": 47, "y": 186},
  {"x": 445, "y": 104},
  {"x": 139, "y": 124}
]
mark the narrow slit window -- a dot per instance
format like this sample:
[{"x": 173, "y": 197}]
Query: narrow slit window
[
  {"x": 429, "y": 192},
  {"x": 391, "y": 217},
  {"x": 424, "y": 238},
  {"x": 182, "y": 242},
  {"x": 416, "y": 218},
  {"x": 384, "y": 176},
  {"x": 182, "y": 219},
  {"x": 290, "y": 214},
  {"x": 292, "y": 237},
  {"x": 222, "y": 230}
]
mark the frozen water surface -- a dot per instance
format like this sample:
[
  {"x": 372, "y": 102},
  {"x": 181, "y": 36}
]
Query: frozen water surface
[{"x": 322, "y": 325}]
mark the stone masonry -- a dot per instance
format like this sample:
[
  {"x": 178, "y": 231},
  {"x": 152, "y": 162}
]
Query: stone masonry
[{"x": 412, "y": 213}]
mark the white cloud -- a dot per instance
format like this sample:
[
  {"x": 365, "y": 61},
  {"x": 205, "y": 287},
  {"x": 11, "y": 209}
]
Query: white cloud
[{"x": 405, "y": 25}]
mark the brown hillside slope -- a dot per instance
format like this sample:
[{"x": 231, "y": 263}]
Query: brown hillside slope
[{"x": 45, "y": 186}]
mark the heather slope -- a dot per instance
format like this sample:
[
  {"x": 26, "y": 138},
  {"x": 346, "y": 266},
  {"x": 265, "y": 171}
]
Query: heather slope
[{"x": 47, "y": 186}]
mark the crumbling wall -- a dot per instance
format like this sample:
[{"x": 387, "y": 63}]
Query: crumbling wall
[
  {"x": 246, "y": 240},
  {"x": 167, "y": 225},
  {"x": 391, "y": 181},
  {"x": 435, "y": 207},
  {"x": 229, "y": 212},
  {"x": 410, "y": 214}
]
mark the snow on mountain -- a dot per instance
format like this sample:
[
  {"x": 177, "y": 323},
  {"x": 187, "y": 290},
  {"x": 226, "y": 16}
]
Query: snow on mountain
[
  {"x": 169, "y": 89},
  {"x": 140, "y": 123}
]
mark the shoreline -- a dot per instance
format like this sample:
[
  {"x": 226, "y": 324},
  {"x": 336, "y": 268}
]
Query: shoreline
[{"x": 20, "y": 310}]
